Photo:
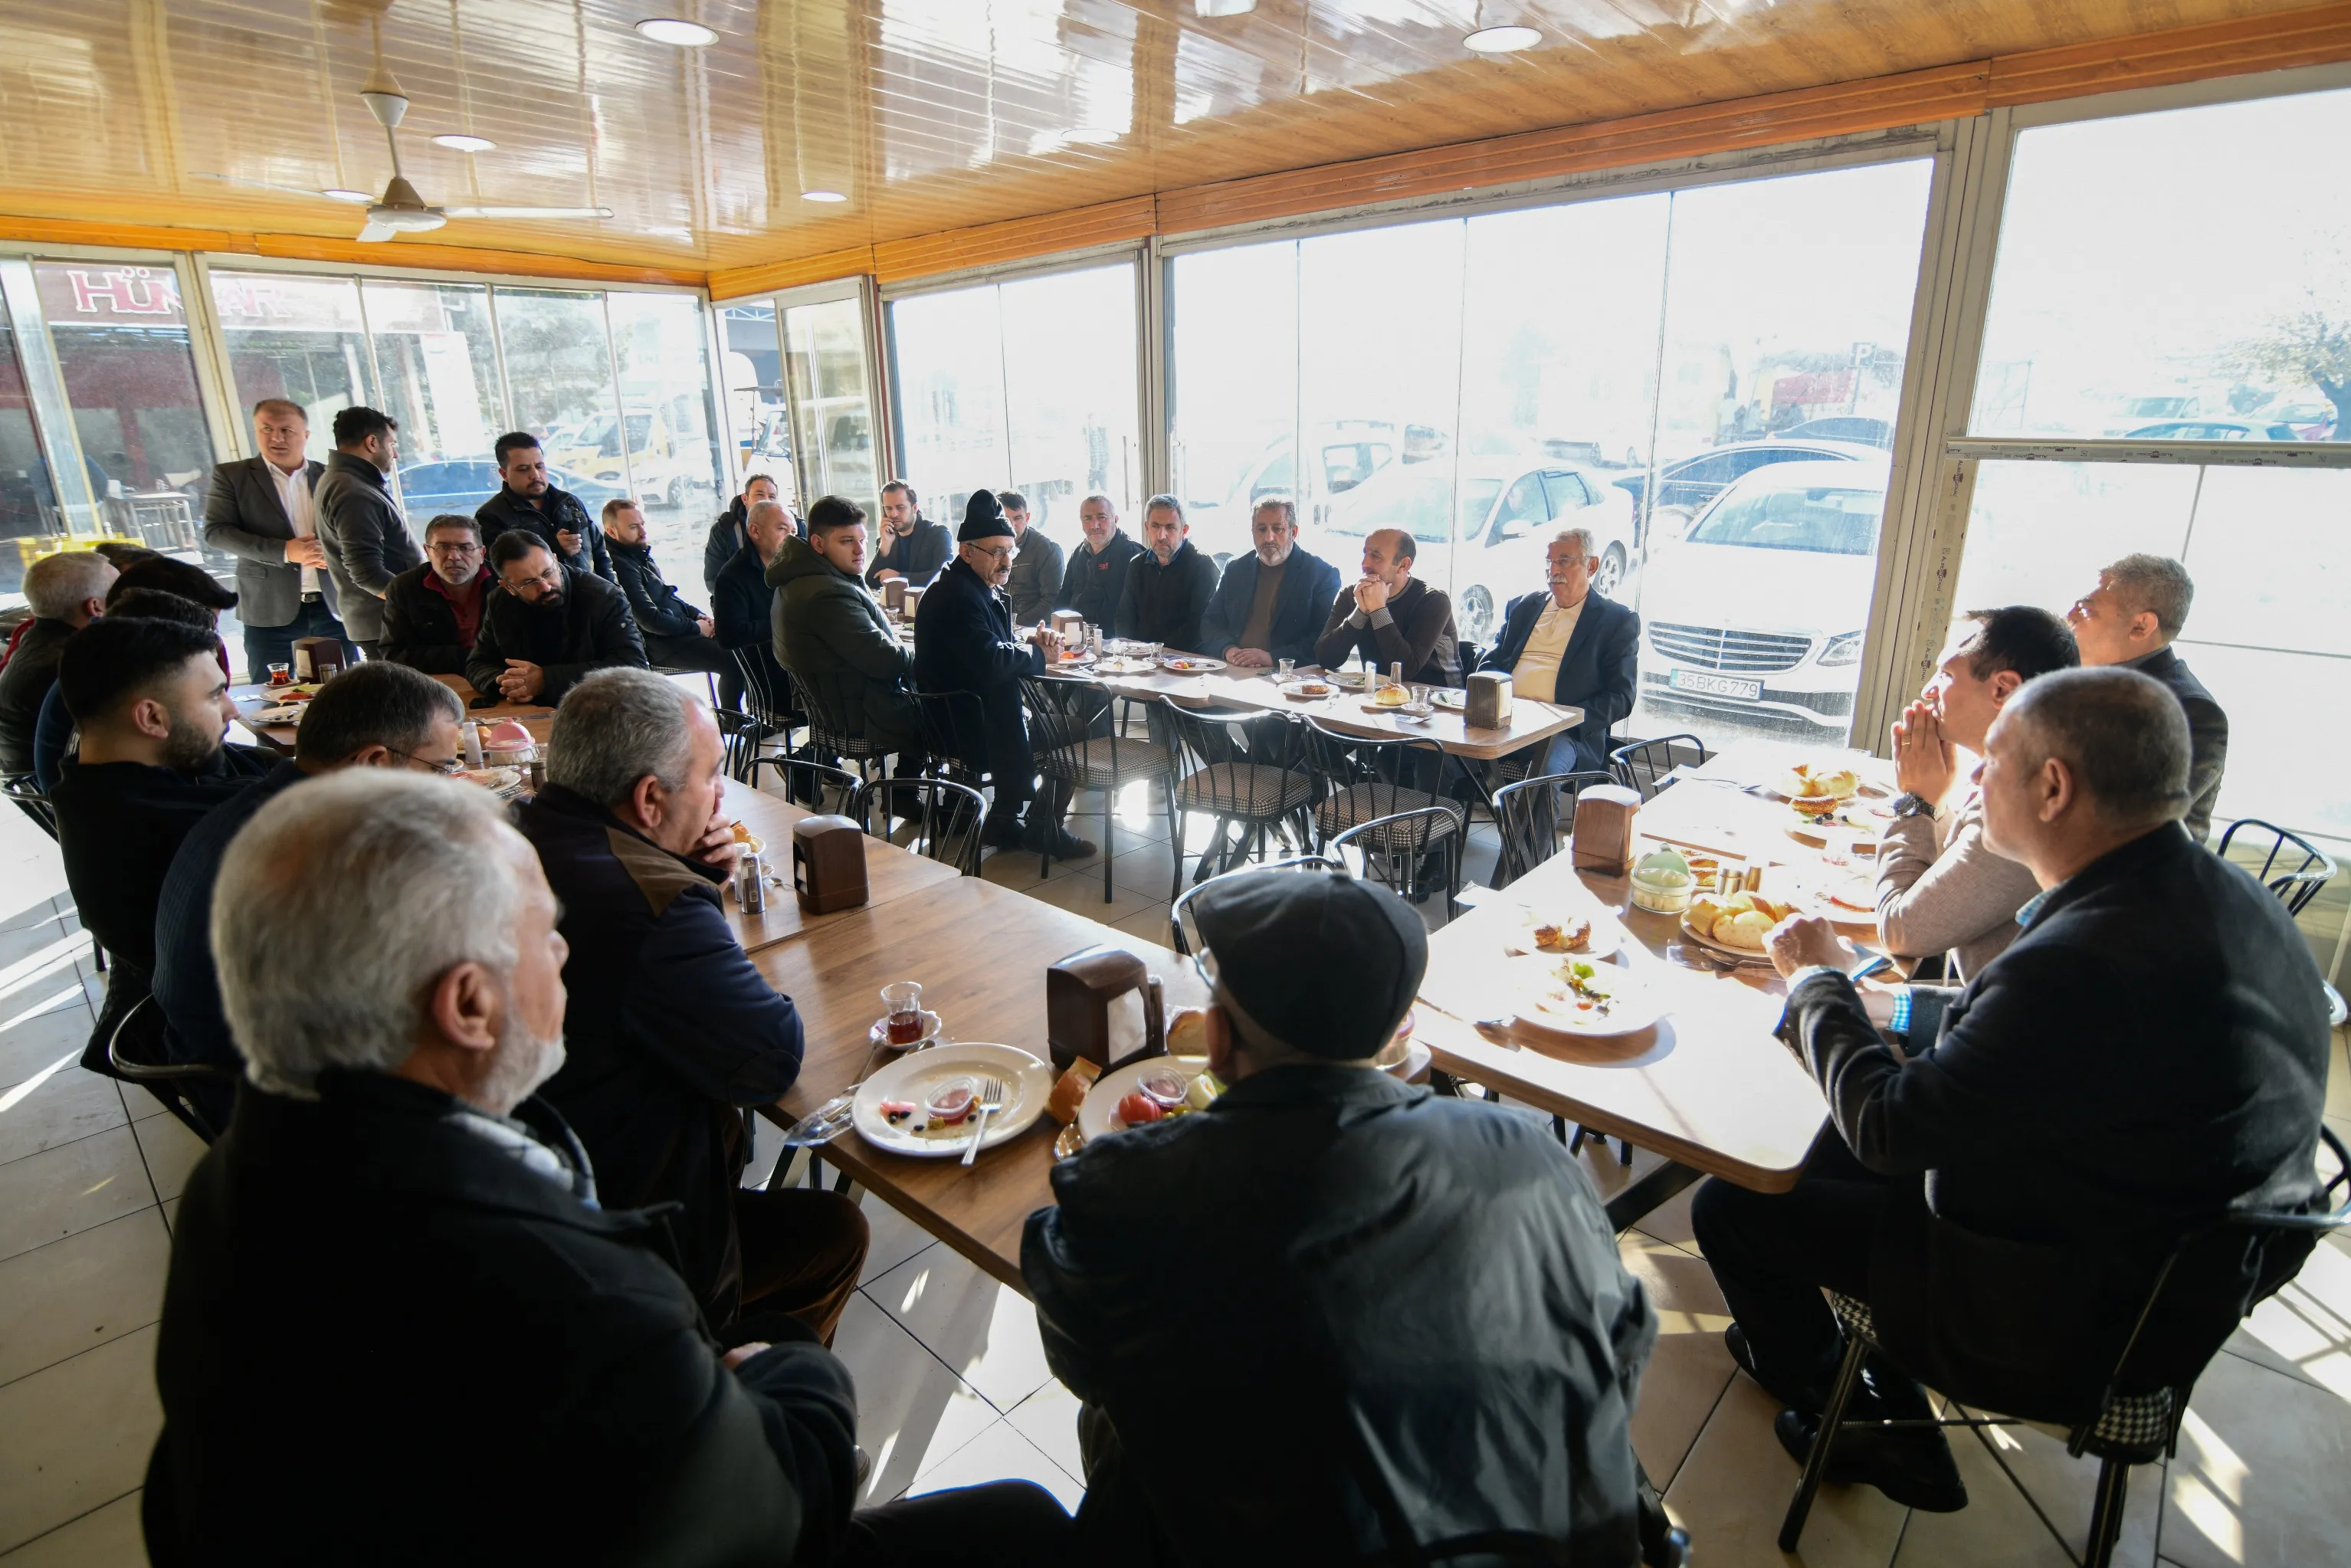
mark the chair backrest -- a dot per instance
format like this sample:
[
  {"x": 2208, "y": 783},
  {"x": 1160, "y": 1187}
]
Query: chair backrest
[
  {"x": 767, "y": 689},
  {"x": 1642, "y": 764},
  {"x": 1061, "y": 713},
  {"x": 1531, "y": 821},
  {"x": 808, "y": 782},
  {"x": 134, "y": 1051},
  {"x": 2292, "y": 868},
  {"x": 26, "y": 791},
  {"x": 1252, "y": 754},
  {"x": 1339, "y": 759},
  {"x": 944, "y": 817},
  {"x": 1403, "y": 837},
  {"x": 1181, "y": 939},
  {"x": 954, "y": 724}
]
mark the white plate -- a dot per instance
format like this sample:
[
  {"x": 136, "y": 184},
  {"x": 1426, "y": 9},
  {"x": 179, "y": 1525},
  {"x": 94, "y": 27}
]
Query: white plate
[
  {"x": 1185, "y": 666},
  {"x": 1638, "y": 1006},
  {"x": 1098, "y": 1112},
  {"x": 1129, "y": 645},
  {"x": 1607, "y": 936},
  {"x": 1736, "y": 955},
  {"x": 1296, "y": 691},
  {"x": 285, "y": 713},
  {"x": 1450, "y": 697},
  {"x": 1123, "y": 665},
  {"x": 1027, "y": 1083}
]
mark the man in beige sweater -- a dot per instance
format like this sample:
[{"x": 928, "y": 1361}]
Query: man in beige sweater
[{"x": 1939, "y": 889}]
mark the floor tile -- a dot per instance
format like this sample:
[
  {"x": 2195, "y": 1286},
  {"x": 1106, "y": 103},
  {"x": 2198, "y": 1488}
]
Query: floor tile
[
  {"x": 2064, "y": 1489},
  {"x": 76, "y": 1436},
  {"x": 1001, "y": 1454},
  {"x": 913, "y": 1411},
  {"x": 107, "y": 1537},
  {"x": 1015, "y": 869},
  {"x": 1080, "y": 893},
  {"x": 1049, "y": 1418},
  {"x": 59, "y": 1031},
  {"x": 1670, "y": 1220},
  {"x": 894, "y": 1238},
  {"x": 987, "y": 1332},
  {"x": 93, "y": 1286},
  {"x": 1997, "y": 1529},
  {"x": 68, "y": 1103},
  {"x": 2338, "y": 1076},
  {"x": 1733, "y": 1491},
  {"x": 2305, "y": 1329},
  {"x": 2259, "y": 1479},
  {"x": 37, "y": 953},
  {"x": 1690, "y": 1367},
  {"x": 172, "y": 1215},
  {"x": 143, "y": 1102},
  {"x": 63, "y": 1190},
  {"x": 172, "y": 1152}
]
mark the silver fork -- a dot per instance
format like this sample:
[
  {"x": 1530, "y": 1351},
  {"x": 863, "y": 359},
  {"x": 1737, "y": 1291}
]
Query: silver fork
[{"x": 992, "y": 1095}]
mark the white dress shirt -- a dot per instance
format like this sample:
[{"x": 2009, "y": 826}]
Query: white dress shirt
[{"x": 294, "y": 494}]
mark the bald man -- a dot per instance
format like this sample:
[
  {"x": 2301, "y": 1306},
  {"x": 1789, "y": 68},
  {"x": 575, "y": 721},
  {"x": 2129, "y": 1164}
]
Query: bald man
[
  {"x": 742, "y": 604},
  {"x": 1391, "y": 617}
]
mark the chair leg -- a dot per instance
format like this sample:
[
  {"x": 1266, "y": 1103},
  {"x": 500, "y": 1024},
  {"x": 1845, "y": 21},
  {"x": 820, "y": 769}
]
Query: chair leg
[
  {"x": 2106, "y": 1515},
  {"x": 1174, "y": 848},
  {"x": 1816, "y": 1463}
]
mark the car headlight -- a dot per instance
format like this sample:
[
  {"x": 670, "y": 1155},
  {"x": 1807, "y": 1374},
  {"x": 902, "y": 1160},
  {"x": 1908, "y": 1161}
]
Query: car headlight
[{"x": 1844, "y": 650}]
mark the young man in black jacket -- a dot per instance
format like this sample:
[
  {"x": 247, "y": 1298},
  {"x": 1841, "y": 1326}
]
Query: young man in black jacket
[
  {"x": 1168, "y": 587},
  {"x": 388, "y": 1155},
  {"x": 2003, "y": 1188},
  {"x": 546, "y": 626},
  {"x": 529, "y": 500},
  {"x": 1095, "y": 581},
  {"x": 677, "y": 635},
  {"x": 433, "y": 614},
  {"x": 672, "y": 1032},
  {"x": 1373, "y": 1263},
  {"x": 912, "y": 546}
]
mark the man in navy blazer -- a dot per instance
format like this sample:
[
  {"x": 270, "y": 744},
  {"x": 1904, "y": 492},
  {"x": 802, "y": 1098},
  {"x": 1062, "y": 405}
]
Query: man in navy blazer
[
  {"x": 1574, "y": 647},
  {"x": 1271, "y": 605},
  {"x": 259, "y": 510}
]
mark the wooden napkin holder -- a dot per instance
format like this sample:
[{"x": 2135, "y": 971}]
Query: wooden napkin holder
[
  {"x": 828, "y": 864},
  {"x": 1488, "y": 705},
  {"x": 1104, "y": 1004},
  {"x": 1604, "y": 830},
  {"x": 317, "y": 658}
]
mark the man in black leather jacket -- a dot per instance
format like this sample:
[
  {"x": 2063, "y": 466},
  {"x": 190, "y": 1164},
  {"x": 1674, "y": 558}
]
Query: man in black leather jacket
[
  {"x": 1332, "y": 1276},
  {"x": 677, "y": 635},
  {"x": 527, "y": 499}
]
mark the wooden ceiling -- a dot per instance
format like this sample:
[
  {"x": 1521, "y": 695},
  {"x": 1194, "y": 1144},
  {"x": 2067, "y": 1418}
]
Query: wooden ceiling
[{"x": 929, "y": 115}]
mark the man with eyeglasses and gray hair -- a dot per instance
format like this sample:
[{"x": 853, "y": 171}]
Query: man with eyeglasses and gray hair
[
  {"x": 1571, "y": 646},
  {"x": 502, "y": 1353},
  {"x": 2130, "y": 619}
]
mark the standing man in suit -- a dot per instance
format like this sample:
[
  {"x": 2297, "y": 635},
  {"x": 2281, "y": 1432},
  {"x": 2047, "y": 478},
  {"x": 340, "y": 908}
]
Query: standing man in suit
[
  {"x": 261, "y": 510},
  {"x": 1270, "y": 604},
  {"x": 1573, "y": 647},
  {"x": 2139, "y": 605},
  {"x": 366, "y": 540}
]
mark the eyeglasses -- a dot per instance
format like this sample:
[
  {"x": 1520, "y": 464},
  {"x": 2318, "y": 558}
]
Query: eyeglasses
[
  {"x": 445, "y": 767},
  {"x": 995, "y": 552},
  {"x": 458, "y": 546}
]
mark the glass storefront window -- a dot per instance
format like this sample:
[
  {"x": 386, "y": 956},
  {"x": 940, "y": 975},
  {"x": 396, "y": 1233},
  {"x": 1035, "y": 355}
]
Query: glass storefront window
[
  {"x": 665, "y": 397},
  {"x": 559, "y": 364},
  {"x": 756, "y": 407},
  {"x": 2173, "y": 277},
  {"x": 439, "y": 360},
  {"x": 949, "y": 354},
  {"x": 1232, "y": 387},
  {"x": 302, "y": 339},
  {"x": 29, "y": 504},
  {"x": 825, "y": 369}
]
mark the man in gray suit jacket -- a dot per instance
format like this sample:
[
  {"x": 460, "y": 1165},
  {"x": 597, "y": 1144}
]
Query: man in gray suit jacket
[
  {"x": 261, "y": 510},
  {"x": 367, "y": 542}
]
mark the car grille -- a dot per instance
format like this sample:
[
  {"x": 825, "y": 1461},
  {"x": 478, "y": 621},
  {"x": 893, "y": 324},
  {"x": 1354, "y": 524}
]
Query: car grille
[{"x": 1722, "y": 648}]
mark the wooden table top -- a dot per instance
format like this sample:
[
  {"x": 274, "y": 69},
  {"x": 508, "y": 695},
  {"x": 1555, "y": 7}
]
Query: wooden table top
[
  {"x": 980, "y": 952},
  {"x": 535, "y": 717},
  {"x": 891, "y": 873}
]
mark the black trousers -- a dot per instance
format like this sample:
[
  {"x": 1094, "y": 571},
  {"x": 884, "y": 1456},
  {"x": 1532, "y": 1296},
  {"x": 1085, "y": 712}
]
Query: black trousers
[
  {"x": 1001, "y": 1524},
  {"x": 1772, "y": 1253}
]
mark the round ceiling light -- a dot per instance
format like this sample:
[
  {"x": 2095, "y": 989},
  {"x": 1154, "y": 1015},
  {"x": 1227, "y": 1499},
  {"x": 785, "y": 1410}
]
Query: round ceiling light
[
  {"x": 822, "y": 196},
  {"x": 340, "y": 195},
  {"x": 672, "y": 30},
  {"x": 456, "y": 143},
  {"x": 1501, "y": 40}
]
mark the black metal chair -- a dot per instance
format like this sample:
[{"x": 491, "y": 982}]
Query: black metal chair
[
  {"x": 819, "y": 786},
  {"x": 1078, "y": 746},
  {"x": 826, "y": 741},
  {"x": 1531, "y": 821},
  {"x": 945, "y": 817},
  {"x": 1244, "y": 770},
  {"x": 26, "y": 792},
  {"x": 1359, "y": 778},
  {"x": 1181, "y": 940},
  {"x": 1642, "y": 765},
  {"x": 770, "y": 710},
  {"x": 2126, "y": 1430},
  {"x": 1396, "y": 849},
  {"x": 2292, "y": 868},
  {"x": 947, "y": 718},
  {"x": 198, "y": 1093}
]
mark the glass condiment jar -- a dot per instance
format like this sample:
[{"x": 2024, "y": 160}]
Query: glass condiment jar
[{"x": 1662, "y": 883}]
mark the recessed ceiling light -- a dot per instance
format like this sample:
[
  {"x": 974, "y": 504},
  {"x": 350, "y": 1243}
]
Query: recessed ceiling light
[
  {"x": 456, "y": 143},
  {"x": 1501, "y": 40},
  {"x": 1223, "y": 7},
  {"x": 822, "y": 196},
  {"x": 348, "y": 196},
  {"x": 671, "y": 30}
]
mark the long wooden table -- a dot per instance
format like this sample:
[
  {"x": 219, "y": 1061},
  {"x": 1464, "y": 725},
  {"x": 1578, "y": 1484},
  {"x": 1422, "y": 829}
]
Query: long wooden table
[
  {"x": 891, "y": 873},
  {"x": 535, "y": 717},
  {"x": 980, "y": 952}
]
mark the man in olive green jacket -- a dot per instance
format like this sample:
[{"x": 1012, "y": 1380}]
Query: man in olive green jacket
[{"x": 833, "y": 636}]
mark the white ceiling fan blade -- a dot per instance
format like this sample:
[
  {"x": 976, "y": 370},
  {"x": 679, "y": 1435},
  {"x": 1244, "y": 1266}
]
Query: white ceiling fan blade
[
  {"x": 374, "y": 232},
  {"x": 528, "y": 211}
]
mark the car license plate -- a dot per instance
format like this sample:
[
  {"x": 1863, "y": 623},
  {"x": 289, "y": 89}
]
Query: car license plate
[{"x": 1714, "y": 686}]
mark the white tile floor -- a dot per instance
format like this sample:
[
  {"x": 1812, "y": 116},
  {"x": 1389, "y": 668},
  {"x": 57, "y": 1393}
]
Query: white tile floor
[{"x": 952, "y": 1383}]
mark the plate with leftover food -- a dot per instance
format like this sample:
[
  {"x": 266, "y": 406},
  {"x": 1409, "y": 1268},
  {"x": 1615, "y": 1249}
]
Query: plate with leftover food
[
  {"x": 1128, "y": 645},
  {"x": 1123, "y": 665},
  {"x": 1185, "y": 665},
  {"x": 1579, "y": 996},
  {"x": 279, "y": 713},
  {"x": 1735, "y": 925},
  {"x": 1308, "y": 691},
  {"x": 1154, "y": 1088},
  {"x": 1565, "y": 933},
  {"x": 1451, "y": 698},
  {"x": 924, "y": 1103}
]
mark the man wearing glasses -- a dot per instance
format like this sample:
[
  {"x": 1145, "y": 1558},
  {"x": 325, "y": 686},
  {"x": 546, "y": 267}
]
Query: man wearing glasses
[
  {"x": 376, "y": 715},
  {"x": 433, "y": 612},
  {"x": 963, "y": 643},
  {"x": 548, "y": 626}
]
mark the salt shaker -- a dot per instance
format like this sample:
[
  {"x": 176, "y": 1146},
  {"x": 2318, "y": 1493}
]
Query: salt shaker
[{"x": 751, "y": 883}]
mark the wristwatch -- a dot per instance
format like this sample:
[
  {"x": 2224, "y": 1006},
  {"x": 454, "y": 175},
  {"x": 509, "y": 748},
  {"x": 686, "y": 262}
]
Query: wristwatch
[{"x": 1906, "y": 804}]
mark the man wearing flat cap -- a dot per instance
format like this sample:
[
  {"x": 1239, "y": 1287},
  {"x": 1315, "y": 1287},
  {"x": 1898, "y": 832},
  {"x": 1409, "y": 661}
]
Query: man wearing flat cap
[
  {"x": 1336, "y": 1309},
  {"x": 964, "y": 642}
]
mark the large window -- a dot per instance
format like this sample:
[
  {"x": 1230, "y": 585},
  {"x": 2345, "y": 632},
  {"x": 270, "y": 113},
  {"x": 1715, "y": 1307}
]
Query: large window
[
  {"x": 437, "y": 354},
  {"x": 1622, "y": 365},
  {"x": 826, "y": 371},
  {"x": 666, "y": 398},
  {"x": 302, "y": 339},
  {"x": 1026, "y": 386},
  {"x": 757, "y": 406}
]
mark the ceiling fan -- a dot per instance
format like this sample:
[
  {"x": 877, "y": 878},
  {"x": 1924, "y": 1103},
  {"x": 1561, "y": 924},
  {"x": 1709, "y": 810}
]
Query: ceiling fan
[{"x": 401, "y": 210}]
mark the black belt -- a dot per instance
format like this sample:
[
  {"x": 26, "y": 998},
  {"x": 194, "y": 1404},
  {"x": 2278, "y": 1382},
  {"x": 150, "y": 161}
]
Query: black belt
[{"x": 314, "y": 598}]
